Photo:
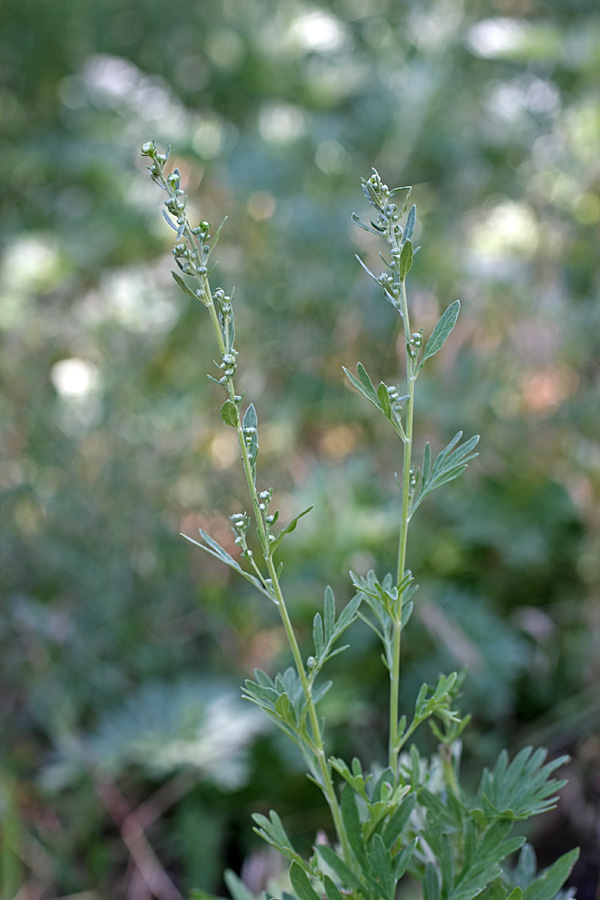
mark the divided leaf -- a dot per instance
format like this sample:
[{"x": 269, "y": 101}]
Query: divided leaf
[
  {"x": 523, "y": 788},
  {"x": 326, "y": 630},
  {"x": 449, "y": 464}
]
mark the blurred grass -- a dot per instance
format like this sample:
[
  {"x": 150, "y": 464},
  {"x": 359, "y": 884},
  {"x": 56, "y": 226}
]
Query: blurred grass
[{"x": 111, "y": 438}]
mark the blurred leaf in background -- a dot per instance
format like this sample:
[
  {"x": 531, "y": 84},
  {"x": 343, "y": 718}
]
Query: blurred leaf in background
[{"x": 111, "y": 444}]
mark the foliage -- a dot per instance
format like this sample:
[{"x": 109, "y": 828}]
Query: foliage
[
  {"x": 410, "y": 816},
  {"x": 491, "y": 109}
]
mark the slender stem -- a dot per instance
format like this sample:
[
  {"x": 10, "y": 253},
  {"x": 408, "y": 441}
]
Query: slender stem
[
  {"x": 263, "y": 534},
  {"x": 402, "y": 544}
]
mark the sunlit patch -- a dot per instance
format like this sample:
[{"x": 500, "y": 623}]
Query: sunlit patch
[
  {"x": 208, "y": 139},
  {"x": 510, "y": 99},
  {"x": 546, "y": 389},
  {"x": 75, "y": 377},
  {"x": 509, "y": 229},
  {"x": 330, "y": 157},
  {"x": 261, "y": 205},
  {"x": 30, "y": 262},
  {"x": 587, "y": 208},
  {"x": 319, "y": 31},
  {"x": 226, "y": 48},
  {"x": 496, "y": 37},
  {"x": 339, "y": 441},
  {"x": 281, "y": 123},
  {"x": 224, "y": 449}
]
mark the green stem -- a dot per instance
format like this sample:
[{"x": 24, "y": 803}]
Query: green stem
[
  {"x": 317, "y": 739},
  {"x": 402, "y": 544}
]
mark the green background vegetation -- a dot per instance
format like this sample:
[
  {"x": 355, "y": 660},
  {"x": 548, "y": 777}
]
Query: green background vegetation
[{"x": 124, "y": 744}]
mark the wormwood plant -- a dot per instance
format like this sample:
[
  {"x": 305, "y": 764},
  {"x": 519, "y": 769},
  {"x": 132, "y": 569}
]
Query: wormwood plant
[{"x": 408, "y": 818}]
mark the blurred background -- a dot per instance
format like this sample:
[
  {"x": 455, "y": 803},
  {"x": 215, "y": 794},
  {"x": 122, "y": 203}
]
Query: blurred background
[{"x": 127, "y": 758}]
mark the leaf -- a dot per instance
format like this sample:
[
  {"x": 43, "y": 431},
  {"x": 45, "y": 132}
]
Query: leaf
[
  {"x": 449, "y": 464},
  {"x": 411, "y": 220},
  {"x": 515, "y": 894},
  {"x": 521, "y": 789},
  {"x": 215, "y": 549},
  {"x": 549, "y": 883},
  {"x": 395, "y": 826},
  {"x": 406, "y": 259},
  {"x": 363, "y": 384},
  {"x": 341, "y": 869},
  {"x": 250, "y": 417},
  {"x": 229, "y": 413},
  {"x": 352, "y": 822},
  {"x": 331, "y": 889},
  {"x": 184, "y": 287},
  {"x": 381, "y": 865},
  {"x": 431, "y": 883},
  {"x": 272, "y": 831},
  {"x": 442, "y": 331},
  {"x": 318, "y": 636},
  {"x": 301, "y": 884},
  {"x": 329, "y": 612},
  {"x": 384, "y": 400},
  {"x": 289, "y": 528},
  {"x": 236, "y": 886}
]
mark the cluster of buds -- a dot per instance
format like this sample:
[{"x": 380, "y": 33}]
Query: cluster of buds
[
  {"x": 240, "y": 523},
  {"x": 187, "y": 258},
  {"x": 223, "y": 302},
  {"x": 228, "y": 365},
  {"x": 396, "y": 401},
  {"x": 414, "y": 344}
]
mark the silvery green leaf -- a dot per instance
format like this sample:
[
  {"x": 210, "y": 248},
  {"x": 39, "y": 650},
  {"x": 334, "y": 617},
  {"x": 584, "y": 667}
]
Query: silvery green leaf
[
  {"x": 289, "y": 528},
  {"x": 406, "y": 259},
  {"x": 236, "y": 887},
  {"x": 411, "y": 220},
  {"x": 318, "y": 634},
  {"x": 442, "y": 331},
  {"x": 551, "y": 880},
  {"x": 431, "y": 883},
  {"x": 352, "y": 822},
  {"x": 331, "y": 890},
  {"x": 215, "y": 549},
  {"x": 363, "y": 384},
  {"x": 170, "y": 221},
  {"x": 184, "y": 287},
  {"x": 250, "y": 417},
  {"x": 522, "y": 788},
  {"x": 347, "y": 878},
  {"x": 384, "y": 400},
  {"x": 301, "y": 883}
]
